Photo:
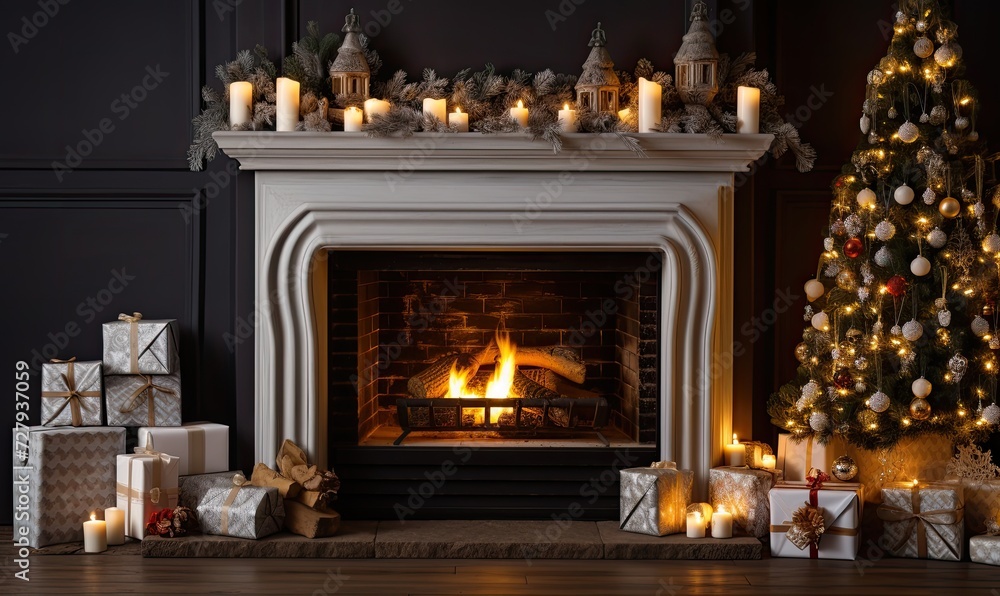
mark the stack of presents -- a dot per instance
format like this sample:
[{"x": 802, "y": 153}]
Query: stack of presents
[
  {"x": 76, "y": 465},
  {"x": 793, "y": 503}
]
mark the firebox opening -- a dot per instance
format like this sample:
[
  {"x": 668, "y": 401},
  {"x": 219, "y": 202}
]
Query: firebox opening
[{"x": 560, "y": 347}]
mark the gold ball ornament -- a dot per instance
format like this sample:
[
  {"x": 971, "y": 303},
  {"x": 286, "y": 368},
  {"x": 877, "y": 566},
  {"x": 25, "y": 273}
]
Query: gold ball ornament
[
  {"x": 844, "y": 468},
  {"x": 846, "y": 280},
  {"x": 920, "y": 409},
  {"x": 950, "y": 207},
  {"x": 802, "y": 352}
]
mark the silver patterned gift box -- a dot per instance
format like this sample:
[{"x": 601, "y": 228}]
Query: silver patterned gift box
[
  {"x": 65, "y": 474},
  {"x": 129, "y": 397},
  {"x": 985, "y": 549},
  {"x": 137, "y": 346},
  {"x": 226, "y": 507},
  {"x": 71, "y": 393},
  {"x": 654, "y": 500},
  {"x": 743, "y": 492},
  {"x": 923, "y": 521}
]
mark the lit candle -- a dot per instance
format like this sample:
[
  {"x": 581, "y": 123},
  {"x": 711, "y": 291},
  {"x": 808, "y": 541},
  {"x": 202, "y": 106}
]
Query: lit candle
[
  {"x": 695, "y": 525},
  {"x": 287, "y": 108},
  {"x": 374, "y": 107},
  {"x": 625, "y": 114},
  {"x": 353, "y": 117},
  {"x": 748, "y": 110},
  {"x": 459, "y": 120},
  {"x": 240, "y": 102},
  {"x": 722, "y": 523},
  {"x": 115, "y": 519},
  {"x": 437, "y": 108},
  {"x": 520, "y": 114},
  {"x": 567, "y": 119},
  {"x": 95, "y": 535},
  {"x": 769, "y": 462},
  {"x": 736, "y": 454},
  {"x": 650, "y": 105}
]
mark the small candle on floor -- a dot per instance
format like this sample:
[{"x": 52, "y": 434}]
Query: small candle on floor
[
  {"x": 115, "y": 520},
  {"x": 722, "y": 523},
  {"x": 769, "y": 462},
  {"x": 695, "y": 525},
  {"x": 735, "y": 453},
  {"x": 95, "y": 535},
  {"x": 459, "y": 120},
  {"x": 520, "y": 114}
]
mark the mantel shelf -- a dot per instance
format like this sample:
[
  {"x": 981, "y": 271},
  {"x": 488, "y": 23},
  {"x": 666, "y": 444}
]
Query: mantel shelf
[{"x": 339, "y": 151}]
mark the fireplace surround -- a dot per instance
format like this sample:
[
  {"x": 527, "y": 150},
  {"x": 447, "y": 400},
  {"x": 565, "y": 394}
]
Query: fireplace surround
[{"x": 320, "y": 194}]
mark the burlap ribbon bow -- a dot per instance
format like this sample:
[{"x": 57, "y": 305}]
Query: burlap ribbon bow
[
  {"x": 921, "y": 521},
  {"x": 149, "y": 389},
  {"x": 239, "y": 481},
  {"x": 133, "y": 338},
  {"x": 71, "y": 396}
]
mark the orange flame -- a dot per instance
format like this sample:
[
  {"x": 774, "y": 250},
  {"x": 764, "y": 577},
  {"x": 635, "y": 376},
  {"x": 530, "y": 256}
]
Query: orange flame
[{"x": 498, "y": 387}]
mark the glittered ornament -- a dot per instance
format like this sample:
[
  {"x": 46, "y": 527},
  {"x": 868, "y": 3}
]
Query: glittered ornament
[
  {"x": 938, "y": 115},
  {"x": 866, "y": 273},
  {"x": 991, "y": 414},
  {"x": 896, "y": 285},
  {"x": 944, "y": 317},
  {"x": 896, "y": 331},
  {"x": 925, "y": 118},
  {"x": 863, "y": 294},
  {"x": 865, "y": 123},
  {"x": 861, "y": 363},
  {"x": 992, "y": 243},
  {"x": 980, "y": 326},
  {"x": 921, "y": 25},
  {"x": 814, "y": 289},
  {"x": 883, "y": 257},
  {"x": 929, "y": 197},
  {"x": 958, "y": 365},
  {"x": 978, "y": 210},
  {"x": 836, "y": 353},
  {"x": 802, "y": 352},
  {"x": 860, "y": 386},
  {"x": 995, "y": 343},
  {"x": 923, "y": 47},
  {"x": 903, "y": 195},
  {"x": 867, "y": 198},
  {"x": 810, "y": 391},
  {"x": 819, "y": 421},
  {"x": 854, "y": 248},
  {"x": 846, "y": 280},
  {"x": 821, "y": 321},
  {"x": 921, "y": 387},
  {"x": 832, "y": 269},
  {"x": 837, "y": 228},
  {"x": 843, "y": 379},
  {"x": 854, "y": 225},
  {"x": 909, "y": 132},
  {"x": 879, "y": 402},
  {"x": 988, "y": 309},
  {"x": 920, "y": 266},
  {"x": 844, "y": 468},
  {"x": 828, "y": 244},
  {"x": 961, "y": 123},
  {"x": 920, "y": 409},
  {"x": 872, "y": 138},
  {"x": 937, "y": 238},
  {"x": 913, "y": 330},
  {"x": 876, "y": 77},
  {"x": 956, "y": 49},
  {"x": 950, "y": 207},
  {"x": 945, "y": 56},
  {"x": 893, "y": 113},
  {"x": 885, "y": 230}
]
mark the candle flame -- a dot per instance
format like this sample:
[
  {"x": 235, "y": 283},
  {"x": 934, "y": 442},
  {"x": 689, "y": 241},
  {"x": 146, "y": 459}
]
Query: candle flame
[
  {"x": 915, "y": 482},
  {"x": 520, "y": 104},
  {"x": 565, "y": 106},
  {"x": 93, "y": 516},
  {"x": 722, "y": 509},
  {"x": 458, "y": 110},
  {"x": 735, "y": 440}
]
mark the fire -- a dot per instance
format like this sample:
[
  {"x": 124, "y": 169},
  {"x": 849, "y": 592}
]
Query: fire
[{"x": 499, "y": 385}]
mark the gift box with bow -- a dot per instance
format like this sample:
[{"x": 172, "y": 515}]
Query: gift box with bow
[
  {"x": 654, "y": 500},
  {"x": 923, "y": 520},
  {"x": 147, "y": 483},
  {"x": 816, "y": 519},
  {"x": 71, "y": 393},
  {"x": 137, "y": 346},
  {"x": 227, "y": 504},
  {"x": 143, "y": 400},
  {"x": 203, "y": 446}
]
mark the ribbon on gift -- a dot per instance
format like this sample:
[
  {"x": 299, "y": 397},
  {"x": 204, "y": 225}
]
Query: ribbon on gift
[
  {"x": 239, "y": 481},
  {"x": 808, "y": 525},
  {"x": 155, "y": 493},
  {"x": 71, "y": 396},
  {"x": 149, "y": 388},
  {"x": 921, "y": 521},
  {"x": 196, "y": 448},
  {"x": 133, "y": 338},
  {"x": 656, "y": 465}
]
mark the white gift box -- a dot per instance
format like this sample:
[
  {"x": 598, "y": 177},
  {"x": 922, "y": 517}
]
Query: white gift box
[
  {"x": 147, "y": 483},
  {"x": 840, "y": 505},
  {"x": 796, "y": 458},
  {"x": 203, "y": 447}
]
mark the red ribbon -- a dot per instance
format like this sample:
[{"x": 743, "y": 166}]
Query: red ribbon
[{"x": 816, "y": 479}]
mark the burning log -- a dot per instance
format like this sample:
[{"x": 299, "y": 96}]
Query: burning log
[
  {"x": 433, "y": 380},
  {"x": 561, "y": 360}
]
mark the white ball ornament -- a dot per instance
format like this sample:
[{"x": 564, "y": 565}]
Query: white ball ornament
[
  {"x": 920, "y": 266},
  {"x": 903, "y": 195},
  {"x": 909, "y": 132},
  {"x": 937, "y": 238},
  {"x": 945, "y": 56},
  {"x": 866, "y": 124},
  {"x": 867, "y": 198},
  {"x": 992, "y": 244},
  {"x": 980, "y": 326},
  {"x": 913, "y": 330},
  {"x": 885, "y": 230},
  {"x": 821, "y": 321},
  {"x": 921, "y": 388},
  {"x": 879, "y": 402},
  {"x": 923, "y": 47},
  {"x": 814, "y": 289},
  {"x": 896, "y": 331},
  {"x": 883, "y": 257},
  {"x": 961, "y": 123},
  {"x": 819, "y": 421},
  {"x": 973, "y": 136},
  {"x": 991, "y": 414}
]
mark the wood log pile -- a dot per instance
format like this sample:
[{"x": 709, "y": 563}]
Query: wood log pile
[{"x": 306, "y": 489}]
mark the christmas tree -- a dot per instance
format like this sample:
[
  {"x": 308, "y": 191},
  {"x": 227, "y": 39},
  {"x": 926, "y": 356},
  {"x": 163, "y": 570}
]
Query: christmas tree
[{"x": 902, "y": 322}]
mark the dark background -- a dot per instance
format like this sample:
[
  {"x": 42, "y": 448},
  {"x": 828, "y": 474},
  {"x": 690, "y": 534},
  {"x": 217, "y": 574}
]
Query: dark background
[{"x": 184, "y": 241}]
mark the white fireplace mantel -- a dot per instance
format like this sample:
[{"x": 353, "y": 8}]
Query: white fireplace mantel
[{"x": 319, "y": 193}]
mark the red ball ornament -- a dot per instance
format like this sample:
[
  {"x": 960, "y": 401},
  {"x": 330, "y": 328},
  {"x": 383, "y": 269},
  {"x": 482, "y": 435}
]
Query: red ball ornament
[
  {"x": 896, "y": 285},
  {"x": 853, "y": 248},
  {"x": 843, "y": 379}
]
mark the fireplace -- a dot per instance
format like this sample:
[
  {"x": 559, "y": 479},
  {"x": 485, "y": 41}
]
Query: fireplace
[{"x": 355, "y": 236}]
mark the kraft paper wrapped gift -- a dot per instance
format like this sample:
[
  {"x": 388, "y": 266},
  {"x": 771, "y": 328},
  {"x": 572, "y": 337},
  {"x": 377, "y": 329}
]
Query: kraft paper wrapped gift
[
  {"x": 146, "y": 483},
  {"x": 985, "y": 549},
  {"x": 203, "y": 447},
  {"x": 228, "y": 505},
  {"x": 128, "y": 399},
  {"x": 654, "y": 500},
  {"x": 744, "y": 493},
  {"x": 982, "y": 502},
  {"x": 65, "y": 475},
  {"x": 137, "y": 346},
  {"x": 923, "y": 521},
  {"x": 813, "y": 523},
  {"x": 796, "y": 458},
  {"x": 71, "y": 393}
]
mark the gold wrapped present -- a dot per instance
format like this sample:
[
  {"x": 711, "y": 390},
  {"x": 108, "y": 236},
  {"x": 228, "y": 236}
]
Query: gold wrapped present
[
  {"x": 743, "y": 492},
  {"x": 654, "y": 500},
  {"x": 71, "y": 393},
  {"x": 797, "y": 456},
  {"x": 923, "y": 520}
]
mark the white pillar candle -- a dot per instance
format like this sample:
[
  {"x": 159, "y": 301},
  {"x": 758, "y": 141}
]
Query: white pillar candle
[
  {"x": 353, "y": 117},
  {"x": 287, "y": 96},
  {"x": 95, "y": 535},
  {"x": 748, "y": 110},
  {"x": 240, "y": 102},
  {"x": 769, "y": 462},
  {"x": 374, "y": 107},
  {"x": 567, "y": 119},
  {"x": 520, "y": 114},
  {"x": 695, "y": 525},
  {"x": 650, "y": 105},
  {"x": 459, "y": 120},
  {"x": 736, "y": 454},
  {"x": 115, "y": 520},
  {"x": 437, "y": 108},
  {"x": 722, "y": 523}
]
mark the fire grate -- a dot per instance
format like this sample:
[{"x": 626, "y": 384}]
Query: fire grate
[{"x": 516, "y": 424}]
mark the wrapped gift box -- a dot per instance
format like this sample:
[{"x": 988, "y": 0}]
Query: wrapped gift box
[
  {"x": 982, "y": 502},
  {"x": 838, "y": 506},
  {"x": 226, "y": 507},
  {"x": 755, "y": 452},
  {"x": 796, "y": 458},
  {"x": 923, "y": 521},
  {"x": 744, "y": 493},
  {"x": 147, "y": 483},
  {"x": 65, "y": 474},
  {"x": 985, "y": 549},
  {"x": 136, "y": 346},
  {"x": 71, "y": 393},
  {"x": 129, "y": 396},
  {"x": 654, "y": 500},
  {"x": 203, "y": 447}
]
